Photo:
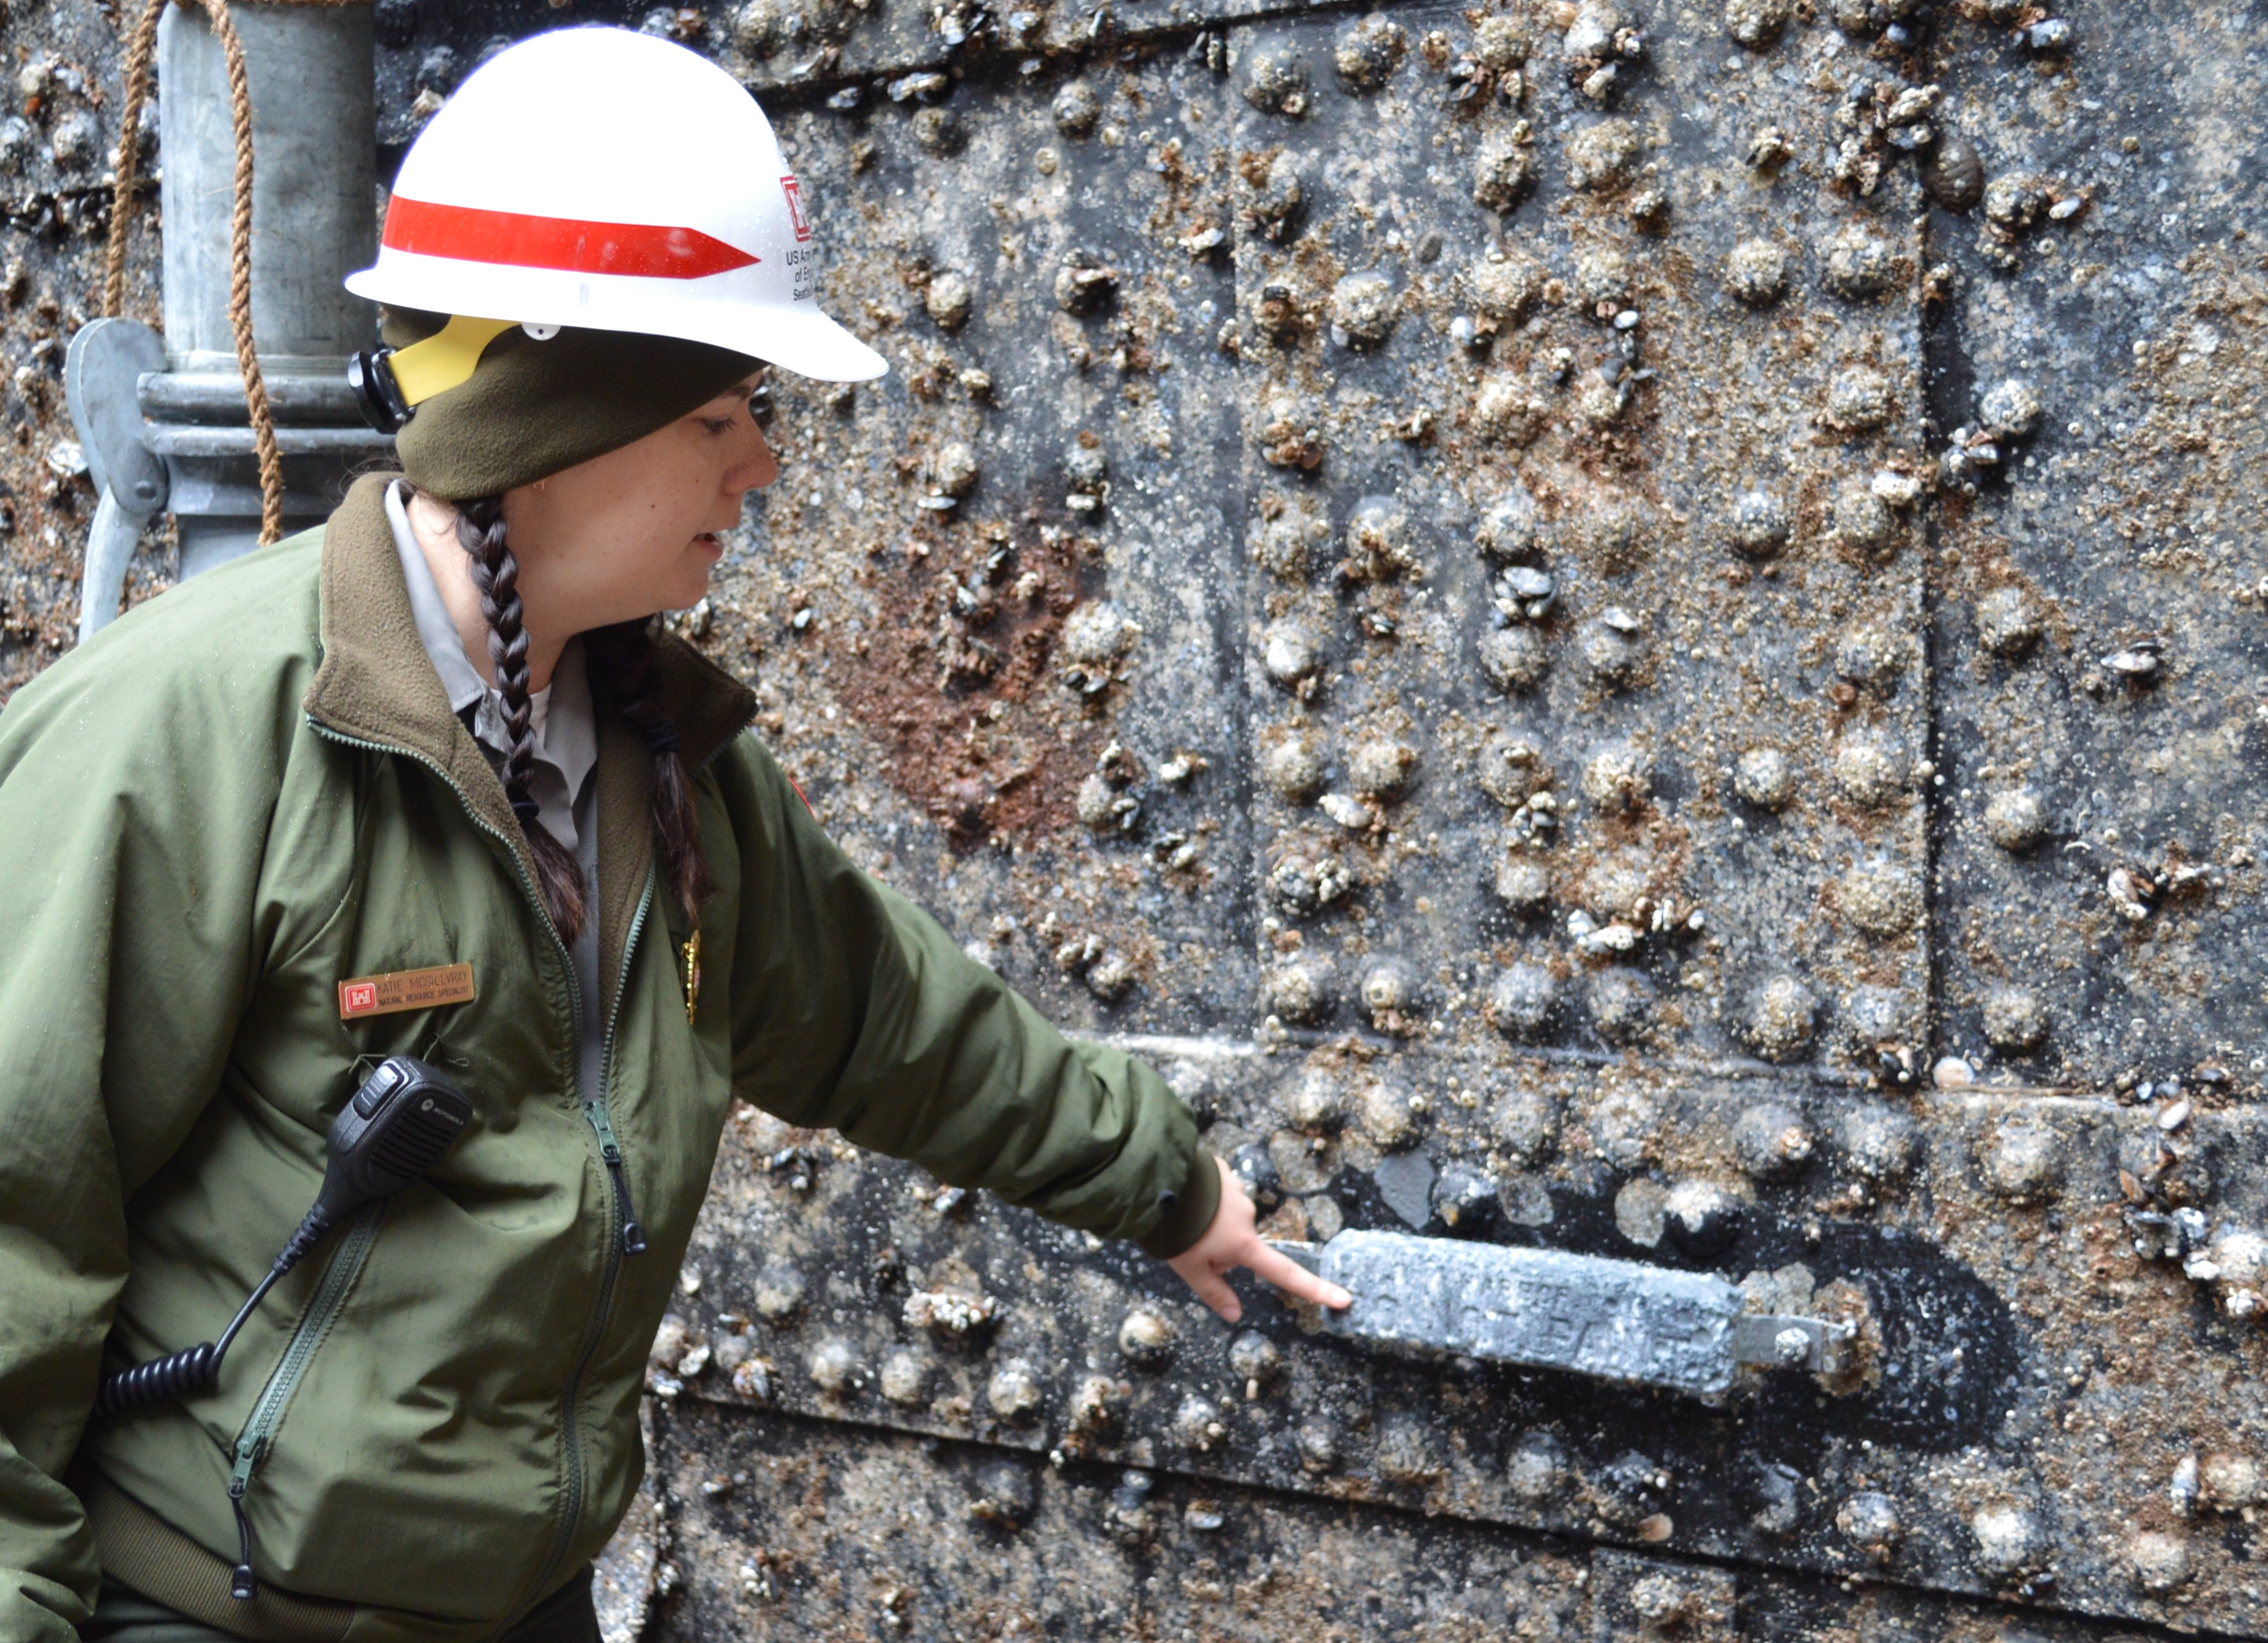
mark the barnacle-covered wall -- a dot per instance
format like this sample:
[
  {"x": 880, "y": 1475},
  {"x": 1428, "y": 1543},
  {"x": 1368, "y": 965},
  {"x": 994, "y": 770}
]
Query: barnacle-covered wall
[{"x": 1632, "y": 627}]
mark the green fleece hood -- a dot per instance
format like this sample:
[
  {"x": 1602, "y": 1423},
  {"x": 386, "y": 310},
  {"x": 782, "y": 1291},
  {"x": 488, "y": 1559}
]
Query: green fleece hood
[{"x": 251, "y": 789}]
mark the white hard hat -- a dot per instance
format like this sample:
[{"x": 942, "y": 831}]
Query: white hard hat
[{"x": 599, "y": 178}]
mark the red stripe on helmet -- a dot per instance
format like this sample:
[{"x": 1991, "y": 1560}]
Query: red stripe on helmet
[{"x": 469, "y": 234}]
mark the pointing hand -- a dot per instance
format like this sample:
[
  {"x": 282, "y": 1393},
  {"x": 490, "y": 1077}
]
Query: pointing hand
[{"x": 1232, "y": 1241}]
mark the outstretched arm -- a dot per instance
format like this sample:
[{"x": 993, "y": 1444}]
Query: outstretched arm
[{"x": 853, "y": 1010}]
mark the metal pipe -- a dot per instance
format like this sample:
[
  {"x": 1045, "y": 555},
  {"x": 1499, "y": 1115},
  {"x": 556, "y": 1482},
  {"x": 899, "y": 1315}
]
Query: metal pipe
[
  {"x": 311, "y": 84},
  {"x": 310, "y": 70},
  {"x": 313, "y": 222}
]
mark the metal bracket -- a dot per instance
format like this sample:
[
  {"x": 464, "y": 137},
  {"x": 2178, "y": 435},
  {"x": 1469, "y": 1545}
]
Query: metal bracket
[
  {"x": 1616, "y": 1320},
  {"x": 106, "y": 362},
  {"x": 102, "y": 371}
]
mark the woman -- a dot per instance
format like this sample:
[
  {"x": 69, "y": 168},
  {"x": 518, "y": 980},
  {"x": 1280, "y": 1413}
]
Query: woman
[{"x": 428, "y": 782}]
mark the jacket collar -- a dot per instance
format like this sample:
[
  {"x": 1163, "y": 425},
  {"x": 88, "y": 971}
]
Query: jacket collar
[{"x": 375, "y": 684}]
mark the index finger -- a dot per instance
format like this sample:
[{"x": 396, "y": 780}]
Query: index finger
[{"x": 1294, "y": 1279}]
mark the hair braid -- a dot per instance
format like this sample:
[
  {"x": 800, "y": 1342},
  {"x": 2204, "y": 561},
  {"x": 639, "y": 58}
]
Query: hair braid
[
  {"x": 481, "y": 530},
  {"x": 623, "y": 656}
]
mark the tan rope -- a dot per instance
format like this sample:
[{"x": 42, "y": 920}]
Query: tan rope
[
  {"x": 139, "y": 48},
  {"x": 239, "y": 280}
]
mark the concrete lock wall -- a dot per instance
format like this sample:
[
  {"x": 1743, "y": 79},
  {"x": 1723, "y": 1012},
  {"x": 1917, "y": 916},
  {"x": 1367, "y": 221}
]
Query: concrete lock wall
[{"x": 1631, "y": 631}]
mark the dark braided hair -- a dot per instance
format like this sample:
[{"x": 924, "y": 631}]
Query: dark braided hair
[
  {"x": 558, "y": 878},
  {"x": 622, "y": 658}
]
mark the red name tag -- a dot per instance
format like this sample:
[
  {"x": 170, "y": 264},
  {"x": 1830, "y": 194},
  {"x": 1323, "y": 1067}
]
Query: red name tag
[{"x": 405, "y": 989}]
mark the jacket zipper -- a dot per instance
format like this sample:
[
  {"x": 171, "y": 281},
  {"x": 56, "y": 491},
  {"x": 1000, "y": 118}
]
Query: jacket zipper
[
  {"x": 571, "y": 1437},
  {"x": 268, "y": 1410},
  {"x": 633, "y": 1235},
  {"x": 628, "y": 1239},
  {"x": 626, "y": 1236}
]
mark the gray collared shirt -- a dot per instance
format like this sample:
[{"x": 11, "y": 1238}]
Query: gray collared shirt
[
  {"x": 560, "y": 780},
  {"x": 566, "y": 740}
]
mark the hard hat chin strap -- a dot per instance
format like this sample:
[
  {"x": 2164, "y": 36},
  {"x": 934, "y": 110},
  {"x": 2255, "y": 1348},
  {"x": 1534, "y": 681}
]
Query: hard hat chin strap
[{"x": 392, "y": 383}]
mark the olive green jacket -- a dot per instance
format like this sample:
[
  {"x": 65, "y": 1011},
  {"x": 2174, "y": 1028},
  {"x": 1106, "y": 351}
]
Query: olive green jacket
[{"x": 251, "y": 789}]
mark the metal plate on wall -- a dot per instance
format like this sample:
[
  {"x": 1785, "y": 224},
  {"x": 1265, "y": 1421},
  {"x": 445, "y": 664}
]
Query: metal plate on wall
[{"x": 2100, "y": 624}]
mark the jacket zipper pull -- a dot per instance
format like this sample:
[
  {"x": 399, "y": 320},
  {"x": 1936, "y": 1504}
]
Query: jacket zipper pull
[
  {"x": 633, "y": 1234},
  {"x": 243, "y": 1584}
]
